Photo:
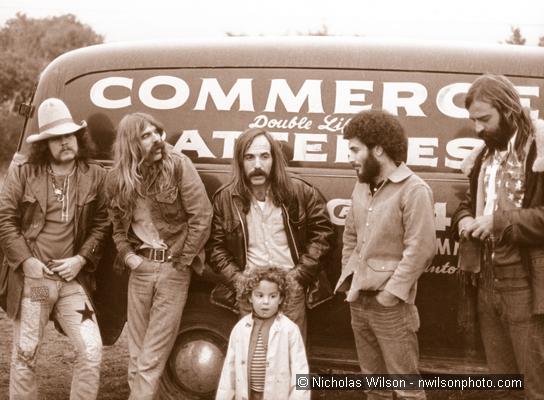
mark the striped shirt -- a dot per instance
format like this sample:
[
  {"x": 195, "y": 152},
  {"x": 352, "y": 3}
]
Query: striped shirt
[{"x": 257, "y": 370}]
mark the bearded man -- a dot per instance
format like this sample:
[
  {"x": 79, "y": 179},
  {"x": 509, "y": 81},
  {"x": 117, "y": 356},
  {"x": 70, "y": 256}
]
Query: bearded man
[
  {"x": 53, "y": 225},
  {"x": 502, "y": 220},
  {"x": 161, "y": 220},
  {"x": 389, "y": 240}
]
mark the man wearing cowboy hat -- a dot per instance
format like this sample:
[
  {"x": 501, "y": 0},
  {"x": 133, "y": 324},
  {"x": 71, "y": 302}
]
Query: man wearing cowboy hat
[{"x": 53, "y": 222}]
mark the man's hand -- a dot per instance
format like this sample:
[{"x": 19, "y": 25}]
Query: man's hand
[
  {"x": 68, "y": 268},
  {"x": 482, "y": 227},
  {"x": 133, "y": 261},
  {"x": 34, "y": 268},
  {"x": 387, "y": 299},
  {"x": 463, "y": 225}
]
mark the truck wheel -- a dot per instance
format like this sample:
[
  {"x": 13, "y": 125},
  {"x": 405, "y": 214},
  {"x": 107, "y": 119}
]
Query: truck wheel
[{"x": 194, "y": 366}]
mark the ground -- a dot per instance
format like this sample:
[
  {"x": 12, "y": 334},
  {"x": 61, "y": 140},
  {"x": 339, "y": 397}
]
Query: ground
[
  {"x": 56, "y": 360},
  {"x": 55, "y": 365}
]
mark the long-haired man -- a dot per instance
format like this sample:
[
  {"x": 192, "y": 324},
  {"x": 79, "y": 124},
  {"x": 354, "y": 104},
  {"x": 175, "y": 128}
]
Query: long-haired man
[
  {"x": 161, "y": 220},
  {"x": 53, "y": 223},
  {"x": 264, "y": 217},
  {"x": 502, "y": 217}
]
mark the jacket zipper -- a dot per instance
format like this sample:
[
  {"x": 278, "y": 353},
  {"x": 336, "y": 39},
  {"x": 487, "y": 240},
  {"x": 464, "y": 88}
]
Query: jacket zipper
[
  {"x": 291, "y": 232},
  {"x": 243, "y": 230}
]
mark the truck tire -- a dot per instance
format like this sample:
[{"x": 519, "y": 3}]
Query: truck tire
[{"x": 194, "y": 366}]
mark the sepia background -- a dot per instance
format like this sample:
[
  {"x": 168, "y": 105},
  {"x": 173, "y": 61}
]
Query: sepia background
[{"x": 32, "y": 33}]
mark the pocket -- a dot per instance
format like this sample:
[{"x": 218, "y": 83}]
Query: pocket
[
  {"x": 168, "y": 196},
  {"x": 28, "y": 206},
  {"x": 168, "y": 205},
  {"x": 385, "y": 266},
  {"x": 377, "y": 273},
  {"x": 383, "y": 305}
]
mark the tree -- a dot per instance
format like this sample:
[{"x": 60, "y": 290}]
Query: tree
[
  {"x": 516, "y": 37},
  {"x": 27, "y": 45}
]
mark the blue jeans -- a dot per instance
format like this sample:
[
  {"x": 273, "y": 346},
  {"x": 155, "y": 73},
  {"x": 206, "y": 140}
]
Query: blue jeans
[
  {"x": 157, "y": 293},
  {"x": 71, "y": 308},
  {"x": 386, "y": 341},
  {"x": 510, "y": 334}
]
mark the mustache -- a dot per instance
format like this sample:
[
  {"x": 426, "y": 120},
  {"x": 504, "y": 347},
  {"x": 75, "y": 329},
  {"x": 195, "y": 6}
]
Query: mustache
[
  {"x": 257, "y": 172},
  {"x": 157, "y": 146}
]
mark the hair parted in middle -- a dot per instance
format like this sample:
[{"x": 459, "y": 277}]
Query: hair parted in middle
[
  {"x": 129, "y": 158},
  {"x": 251, "y": 279},
  {"x": 281, "y": 189},
  {"x": 501, "y": 94},
  {"x": 379, "y": 128}
]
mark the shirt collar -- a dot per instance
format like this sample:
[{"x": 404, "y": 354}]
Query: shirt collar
[{"x": 400, "y": 173}]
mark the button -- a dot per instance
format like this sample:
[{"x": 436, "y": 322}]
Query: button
[
  {"x": 367, "y": 224},
  {"x": 370, "y": 209}
]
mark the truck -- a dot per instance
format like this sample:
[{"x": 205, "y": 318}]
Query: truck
[{"x": 303, "y": 91}]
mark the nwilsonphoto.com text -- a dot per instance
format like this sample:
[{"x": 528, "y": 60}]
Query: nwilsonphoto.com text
[{"x": 408, "y": 382}]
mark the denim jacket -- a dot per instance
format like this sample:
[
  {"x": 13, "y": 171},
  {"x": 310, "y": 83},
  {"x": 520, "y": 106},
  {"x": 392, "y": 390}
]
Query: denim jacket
[{"x": 182, "y": 214}]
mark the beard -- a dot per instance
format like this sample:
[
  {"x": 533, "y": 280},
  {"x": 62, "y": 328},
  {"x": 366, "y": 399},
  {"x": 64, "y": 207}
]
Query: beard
[
  {"x": 498, "y": 138},
  {"x": 370, "y": 169}
]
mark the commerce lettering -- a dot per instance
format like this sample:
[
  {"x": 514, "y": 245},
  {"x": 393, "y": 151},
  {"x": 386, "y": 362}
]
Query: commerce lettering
[{"x": 350, "y": 96}]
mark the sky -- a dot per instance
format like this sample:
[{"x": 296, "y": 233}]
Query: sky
[{"x": 487, "y": 21}]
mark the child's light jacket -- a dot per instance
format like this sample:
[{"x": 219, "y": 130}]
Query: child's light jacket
[{"x": 285, "y": 358}]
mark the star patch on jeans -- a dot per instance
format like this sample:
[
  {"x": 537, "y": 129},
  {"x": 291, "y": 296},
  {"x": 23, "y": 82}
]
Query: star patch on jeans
[{"x": 39, "y": 294}]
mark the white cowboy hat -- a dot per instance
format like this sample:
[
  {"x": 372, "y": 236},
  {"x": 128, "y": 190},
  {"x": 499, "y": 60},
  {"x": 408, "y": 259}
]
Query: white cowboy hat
[{"x": 54, "y": 120}]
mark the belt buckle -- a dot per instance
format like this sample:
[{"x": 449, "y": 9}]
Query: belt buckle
[{"x": 159, "y": 255}]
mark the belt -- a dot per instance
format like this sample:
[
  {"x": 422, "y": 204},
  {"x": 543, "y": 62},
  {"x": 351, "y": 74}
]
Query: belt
[
  {"x": 159, "y": 255},
  {"x": 369, "y": 292}
]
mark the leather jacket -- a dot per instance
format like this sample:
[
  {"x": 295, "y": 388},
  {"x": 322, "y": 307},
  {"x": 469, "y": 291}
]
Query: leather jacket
[
  {"x": 309, "y": 234},
  {"x": 22, "y": 201},
  {"x": 523, "y": 227}
]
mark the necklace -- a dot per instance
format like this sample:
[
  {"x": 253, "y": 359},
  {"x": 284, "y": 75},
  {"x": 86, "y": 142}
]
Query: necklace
[{"x": 61, "y": 191}]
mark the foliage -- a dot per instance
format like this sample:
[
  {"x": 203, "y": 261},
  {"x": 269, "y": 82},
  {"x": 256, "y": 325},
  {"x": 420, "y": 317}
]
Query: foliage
[
  {"x": 28, "y": 44},
  {"x": 516, "y": 37}
]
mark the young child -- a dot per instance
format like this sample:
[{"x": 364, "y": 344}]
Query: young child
[{"x": 266, "y": 350}]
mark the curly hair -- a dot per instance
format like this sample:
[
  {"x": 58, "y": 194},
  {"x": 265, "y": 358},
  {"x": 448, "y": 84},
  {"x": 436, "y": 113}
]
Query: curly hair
[
  {"x": 379, "y": 128},
  {"x": 251, "y": 279}
]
